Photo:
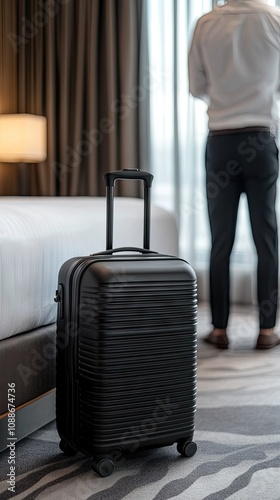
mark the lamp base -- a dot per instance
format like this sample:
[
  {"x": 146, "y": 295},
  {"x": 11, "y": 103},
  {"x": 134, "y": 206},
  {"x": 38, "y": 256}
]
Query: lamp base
[{"x": 23, "y": 180}]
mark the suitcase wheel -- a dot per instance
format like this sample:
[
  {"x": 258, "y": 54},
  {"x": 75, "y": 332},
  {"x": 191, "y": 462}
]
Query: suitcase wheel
[
  {"x": 67, "y": 449},
  {"x": 104, "y": 467},
  {"x": 186, "y": 448}
]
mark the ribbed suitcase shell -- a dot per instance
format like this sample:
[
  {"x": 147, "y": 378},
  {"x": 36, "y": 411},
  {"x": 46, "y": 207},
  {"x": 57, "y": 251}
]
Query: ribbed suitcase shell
[
  {"x": 126, "y": 347},
  {"x": 126, "y": 344}
]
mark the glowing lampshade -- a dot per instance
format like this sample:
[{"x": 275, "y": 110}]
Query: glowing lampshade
[{"x": 23, "y": 138}]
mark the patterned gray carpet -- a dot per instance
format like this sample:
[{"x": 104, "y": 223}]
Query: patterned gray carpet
[{"x": 237, "y": 434}]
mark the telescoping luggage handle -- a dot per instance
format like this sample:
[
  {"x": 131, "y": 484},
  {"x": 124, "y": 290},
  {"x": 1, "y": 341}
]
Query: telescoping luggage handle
[{"x": 127, "y": 173}]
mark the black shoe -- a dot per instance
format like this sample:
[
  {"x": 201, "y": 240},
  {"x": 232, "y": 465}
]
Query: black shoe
[
  {"x": 219, "y": 341},
  {"x": 267, "y": 341}
]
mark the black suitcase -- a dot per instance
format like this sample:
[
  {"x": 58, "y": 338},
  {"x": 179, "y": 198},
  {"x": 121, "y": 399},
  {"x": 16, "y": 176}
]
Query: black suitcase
[{"x": 126, "y": 348}]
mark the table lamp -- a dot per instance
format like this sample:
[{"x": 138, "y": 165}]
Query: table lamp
[{"x": 23, "y": 139}]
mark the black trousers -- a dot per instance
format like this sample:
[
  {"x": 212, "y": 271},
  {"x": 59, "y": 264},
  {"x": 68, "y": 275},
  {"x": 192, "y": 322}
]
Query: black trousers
[{"x": 235, "y": 163}]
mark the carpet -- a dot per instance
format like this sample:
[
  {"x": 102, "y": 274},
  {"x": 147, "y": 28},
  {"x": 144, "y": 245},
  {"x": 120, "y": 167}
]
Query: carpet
[{"x": 237, "y": 435}]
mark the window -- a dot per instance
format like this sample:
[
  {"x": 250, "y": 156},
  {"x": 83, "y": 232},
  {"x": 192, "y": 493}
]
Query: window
[{"x": 178, "y": 123}]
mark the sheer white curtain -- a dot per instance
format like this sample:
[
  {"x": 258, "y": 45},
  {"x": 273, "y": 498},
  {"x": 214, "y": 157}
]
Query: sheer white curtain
[{"x": 178, "y": 131}]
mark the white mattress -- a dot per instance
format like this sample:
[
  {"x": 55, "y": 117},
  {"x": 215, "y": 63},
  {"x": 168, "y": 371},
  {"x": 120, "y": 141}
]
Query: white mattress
[{"x": 37, "y": 234}]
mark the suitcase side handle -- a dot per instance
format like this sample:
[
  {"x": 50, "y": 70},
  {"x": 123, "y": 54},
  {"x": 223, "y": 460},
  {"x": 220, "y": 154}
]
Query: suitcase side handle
[
  {"x": 127, "y": 173},
  {"x": 126, "y": 249}
]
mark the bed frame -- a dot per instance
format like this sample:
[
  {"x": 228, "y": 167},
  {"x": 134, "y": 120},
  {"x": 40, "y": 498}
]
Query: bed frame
[{"x": 27, "y": 363}]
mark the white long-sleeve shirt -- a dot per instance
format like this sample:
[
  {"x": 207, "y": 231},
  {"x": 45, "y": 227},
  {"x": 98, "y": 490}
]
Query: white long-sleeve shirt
[{"x": 234, "y": 64}]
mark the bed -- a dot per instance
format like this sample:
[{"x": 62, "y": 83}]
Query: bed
[{"x": 37, "y": 235}]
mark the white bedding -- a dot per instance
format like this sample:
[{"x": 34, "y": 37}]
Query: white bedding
[{"x": 37, "y": 234}]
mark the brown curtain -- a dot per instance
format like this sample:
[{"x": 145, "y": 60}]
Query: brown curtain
[
  {"x": 78, "y": 63},
  {"x": 9, "y": 177}
]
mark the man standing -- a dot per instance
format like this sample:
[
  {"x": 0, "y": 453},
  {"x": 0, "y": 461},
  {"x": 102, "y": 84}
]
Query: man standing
[{"x": 234, "y": 65}]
